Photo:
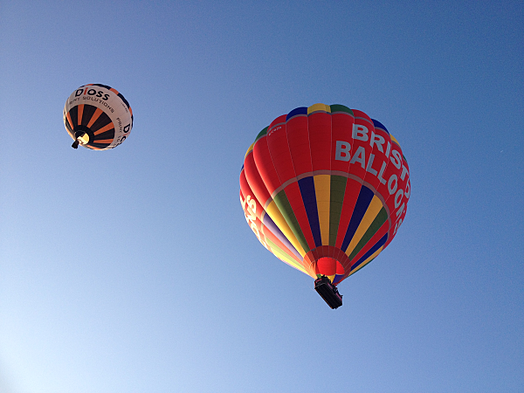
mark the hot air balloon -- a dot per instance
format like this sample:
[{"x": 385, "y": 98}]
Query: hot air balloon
[
  {"x": 97, "y": 117},
  {"x": 325, "y": 189}
]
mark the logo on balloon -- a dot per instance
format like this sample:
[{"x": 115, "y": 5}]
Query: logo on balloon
[{"x": 92, "y": 92}]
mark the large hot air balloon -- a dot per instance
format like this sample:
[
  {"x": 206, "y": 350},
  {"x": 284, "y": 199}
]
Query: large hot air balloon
[
  {"x": 325, "y": 189},
  {"x": 97, "y": 117}
]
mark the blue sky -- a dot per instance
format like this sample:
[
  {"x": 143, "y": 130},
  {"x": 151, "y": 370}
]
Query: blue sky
[{"x": 134, "y": 270}]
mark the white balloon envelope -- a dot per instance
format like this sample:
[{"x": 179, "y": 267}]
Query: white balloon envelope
[{"x": 97, "y": 117}]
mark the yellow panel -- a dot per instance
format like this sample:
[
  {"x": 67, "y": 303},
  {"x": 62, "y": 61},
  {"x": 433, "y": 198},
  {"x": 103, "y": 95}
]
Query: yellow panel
[
  {"x": 322, "y": 192},
  {"x": 280, "y": 221},
  {"x": 319, "y": 107},
  {"x": 371, "y": 213},
  {"x": 249, "y": 150},
  {"x": 394, "y": 140}
]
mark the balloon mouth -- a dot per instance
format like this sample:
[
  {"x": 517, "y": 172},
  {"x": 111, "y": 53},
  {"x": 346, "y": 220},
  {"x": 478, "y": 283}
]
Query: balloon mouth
[
  {"x": 81, "y": 137},
  {"x": 331, "y": 268},
  {"x": 328, "y": 261}
]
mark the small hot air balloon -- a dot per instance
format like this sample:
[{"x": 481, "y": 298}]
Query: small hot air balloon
[
  {"x": 325, "y": 189},
  {"x": 97, "y": 117}
]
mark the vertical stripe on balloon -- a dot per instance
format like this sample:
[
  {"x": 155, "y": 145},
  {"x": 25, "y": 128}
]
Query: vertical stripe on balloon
[
  {"x": 275, "y": 214},
  {"x": 322, "y": 193},
  {"x": 363, "y": 201},
  {"x": 337, "y": 190},
  {"x": 370, "y": 231},
  {"x": 287, "y": 212},
  {"x": 307, "y": 189},
  {"x": 369, "y": 216},
  {"x": 297, "y": 206}
]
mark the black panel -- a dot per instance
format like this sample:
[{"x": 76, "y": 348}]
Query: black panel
[
  {"x": 73, "y": 112},
  {"x": 102, "y": 121},
  {"x": 109, "y": 134},
  {"x": 89, "y": 111}
]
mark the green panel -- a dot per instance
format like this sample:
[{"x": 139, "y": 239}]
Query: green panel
[
  {"x": 341, "y": 108},
  {"x": 379, "y": 220},
  {"x": 338, "y": 189},
  {"x": 287, "y": 212},
  {"x": 261, "y": 133}
]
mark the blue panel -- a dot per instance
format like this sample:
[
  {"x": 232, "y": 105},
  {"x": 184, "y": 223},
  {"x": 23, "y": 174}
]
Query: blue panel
[
  {"x": 379, "y": 244},
  {"x": 363, "y": 201},
  {"x": 297, "y": 111},
  {"x": 337, "y": 278},
  {"x": 378, "y": 124},
  {"x": 307, "y": 190},
  {"x": 272, "y": 227}
]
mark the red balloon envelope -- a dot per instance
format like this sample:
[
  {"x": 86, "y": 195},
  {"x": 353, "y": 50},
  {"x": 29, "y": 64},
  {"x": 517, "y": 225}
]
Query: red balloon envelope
[{"x": 325, "y": 189}]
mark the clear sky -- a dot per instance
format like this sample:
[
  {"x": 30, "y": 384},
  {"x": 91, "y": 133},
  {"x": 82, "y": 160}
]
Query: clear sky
[{"x": 133, "y": 270}]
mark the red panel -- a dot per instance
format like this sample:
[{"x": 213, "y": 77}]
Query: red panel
[
  {"x": 360, "y": 149},
  {"x": 377, "y": 161},
  {"x": 246, "y": 191},
  {"x": 255, "y": 181},
  {"x": 342, "y": 129},
  {"x": 298, "y": 139},
  {"x": 250, "y": 207},
  {"x": 265, "y": 166},
  {"x": 329, "y": 266},
  {"x": 319, "y": 124},
  {"x": 278, "y": 121},
  {"x": 379, "y": 142},
  {"x": 382, "y": 189},
  {"x": 397, "y": 176},
  {"x": 398, "y": 201},
  {"x": 280, "y": 154}
]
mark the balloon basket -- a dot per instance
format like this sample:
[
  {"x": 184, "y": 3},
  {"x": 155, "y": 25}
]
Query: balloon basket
[{"x": 328, "y": 292}]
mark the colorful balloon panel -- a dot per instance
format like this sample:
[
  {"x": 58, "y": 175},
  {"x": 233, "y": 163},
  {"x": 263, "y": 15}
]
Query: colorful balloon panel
[
  {"x": 97, "y": 117},
  {"x": 325, "y": 189}
]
